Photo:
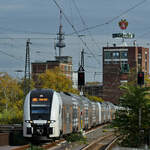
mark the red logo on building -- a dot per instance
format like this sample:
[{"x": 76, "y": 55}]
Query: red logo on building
[{"x": 123, "y": 24}]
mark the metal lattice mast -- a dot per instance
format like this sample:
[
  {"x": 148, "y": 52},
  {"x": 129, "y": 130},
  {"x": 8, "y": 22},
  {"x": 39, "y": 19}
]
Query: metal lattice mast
[
  {"x": 27, "y": 68},
  {"x": 60, "y": 37}
]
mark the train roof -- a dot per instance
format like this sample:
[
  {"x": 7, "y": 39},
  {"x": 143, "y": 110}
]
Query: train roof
[
  {"x": 38, "y": 92},
  {"x": 66, "y": 98}
]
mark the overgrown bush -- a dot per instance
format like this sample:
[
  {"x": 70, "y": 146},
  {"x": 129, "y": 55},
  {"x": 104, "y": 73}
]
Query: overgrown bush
[
  {"x": 75, "y": 137},
  {"x": 11, "y": 117},
  {"x": 33, "y": 147}
]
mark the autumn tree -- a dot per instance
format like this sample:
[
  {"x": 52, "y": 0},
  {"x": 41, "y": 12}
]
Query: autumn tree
[
  {"x": 55, "y": 80},
  {"x": 94, "y": 98},
  {"x": 11, "y": 100}
]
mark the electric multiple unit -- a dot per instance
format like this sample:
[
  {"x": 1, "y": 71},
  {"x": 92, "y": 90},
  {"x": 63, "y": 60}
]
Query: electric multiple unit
[{"x": 51, "y": 114}]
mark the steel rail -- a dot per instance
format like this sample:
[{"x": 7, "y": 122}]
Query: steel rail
[
  {"x": 95, "y": 144},
  {"x": 111, "y": 144}
]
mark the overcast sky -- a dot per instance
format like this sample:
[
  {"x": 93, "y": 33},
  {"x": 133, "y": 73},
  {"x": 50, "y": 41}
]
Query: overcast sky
[{"x": 40, "y": 19}]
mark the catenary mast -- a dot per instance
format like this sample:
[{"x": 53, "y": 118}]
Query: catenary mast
[{"x": 27, "y": 68}]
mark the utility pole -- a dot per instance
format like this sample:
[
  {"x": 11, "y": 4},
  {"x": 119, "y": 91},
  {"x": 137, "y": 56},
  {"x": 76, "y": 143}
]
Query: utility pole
[{"x": 27, "y": 68}]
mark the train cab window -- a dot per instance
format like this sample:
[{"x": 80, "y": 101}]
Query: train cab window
[
  {"x": 40, "y": 104},
  {"x": 40, "y": 110}
]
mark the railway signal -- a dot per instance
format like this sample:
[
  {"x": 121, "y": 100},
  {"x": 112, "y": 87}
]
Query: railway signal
[
  {"x": 81, "y": 76},
  {"x": 140, "y": 78}
]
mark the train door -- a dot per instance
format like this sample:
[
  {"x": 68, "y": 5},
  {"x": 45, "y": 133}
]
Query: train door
[
  {"x": 86, "y": 118},
  {"x": 68, "y": 119},
  {"x": 105, "y": 111},
  {"x": 100, "y": 113},
  {"x": 93, "y": 114},
  {"x": 109, "y": 112},
  {"x": 97, "y": 114},
  {"x": 90, "y": 115},
  {"x": 64, "y": 119},
  {"x": 75, "y": 117}
]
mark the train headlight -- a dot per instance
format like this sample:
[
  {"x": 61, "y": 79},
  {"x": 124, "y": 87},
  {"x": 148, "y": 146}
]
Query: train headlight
[
  {"x": 31, "y": 121},
  {"x": 48, "y": 121},
  {"x": 52, "y": 121},
  {"x": 28, "y": 121}
]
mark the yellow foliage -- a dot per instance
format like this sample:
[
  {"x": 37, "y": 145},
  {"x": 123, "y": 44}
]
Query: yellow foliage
[
  {"x": 95, "y": 98},
  {"x": 56, "y": 80},
  {"x": 11, "y": 99}
]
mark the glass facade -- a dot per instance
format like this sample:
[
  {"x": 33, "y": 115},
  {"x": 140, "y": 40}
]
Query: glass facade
[
  {"x": 107, "y": 55},
  {"x": 115, "y": 57},
  {"x": 124, "y": 55}
]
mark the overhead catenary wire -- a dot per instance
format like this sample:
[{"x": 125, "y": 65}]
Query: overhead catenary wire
[
  {"x": 113, "y": 19},
  {"x": 12, "y": 56},
  {"x": 85, "y": 25},
  {"x": 23, "y": 38},
  {"x": 76, "y": 32},
  {"x": 26, "y": 32}
]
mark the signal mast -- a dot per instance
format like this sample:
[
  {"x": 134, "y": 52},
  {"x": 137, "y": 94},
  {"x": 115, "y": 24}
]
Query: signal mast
[{"x": 81, "y": 74}]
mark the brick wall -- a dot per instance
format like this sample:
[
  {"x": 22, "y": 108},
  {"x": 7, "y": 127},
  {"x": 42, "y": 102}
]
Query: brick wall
[{"x": 113, "y": 77}]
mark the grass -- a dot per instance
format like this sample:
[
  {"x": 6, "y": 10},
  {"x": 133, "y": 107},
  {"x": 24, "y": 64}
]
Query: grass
[{"x": 76, "y": 137}]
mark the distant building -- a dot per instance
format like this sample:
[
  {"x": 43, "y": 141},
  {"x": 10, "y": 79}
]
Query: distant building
[
  {"x": 93, "y": 89},
  {"x": 75, "y": 80},
  {"x": 117, "y": 61},
  {"x": 62, "y": 62}
]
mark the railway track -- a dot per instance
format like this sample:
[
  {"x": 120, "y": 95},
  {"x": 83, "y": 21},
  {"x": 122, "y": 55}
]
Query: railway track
[
  {"x": 93, "y": 136},
  {"x": 111, "y": 144},
  {"x": 44, "y": 146},
  {"x": 100, "y": 143}
]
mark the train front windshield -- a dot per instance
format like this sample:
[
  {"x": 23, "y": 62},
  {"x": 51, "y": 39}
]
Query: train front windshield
[{"x": 40, "y": 104}]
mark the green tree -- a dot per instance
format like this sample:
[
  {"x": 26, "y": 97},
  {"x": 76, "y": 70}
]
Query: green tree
[{"x": 134, "y": 104}]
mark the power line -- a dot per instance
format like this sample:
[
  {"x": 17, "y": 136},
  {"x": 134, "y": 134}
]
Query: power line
[
  {"x": 26, "y": 32},
  {"x": 78, "y": 10},
  {"x": 144, "y": 34},
  {"x": 75, "y": 31},
  {"x": 85, "y": 25},
  {"x": 113, "y": 19},
  {"x": 12, "y": 56},
  {"x": 23, "y": 38}
]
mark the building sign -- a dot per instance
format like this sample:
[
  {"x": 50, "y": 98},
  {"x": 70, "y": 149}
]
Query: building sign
[
  {"x": 123, "y": 24},
  {"x": 123, "y": 35}
]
